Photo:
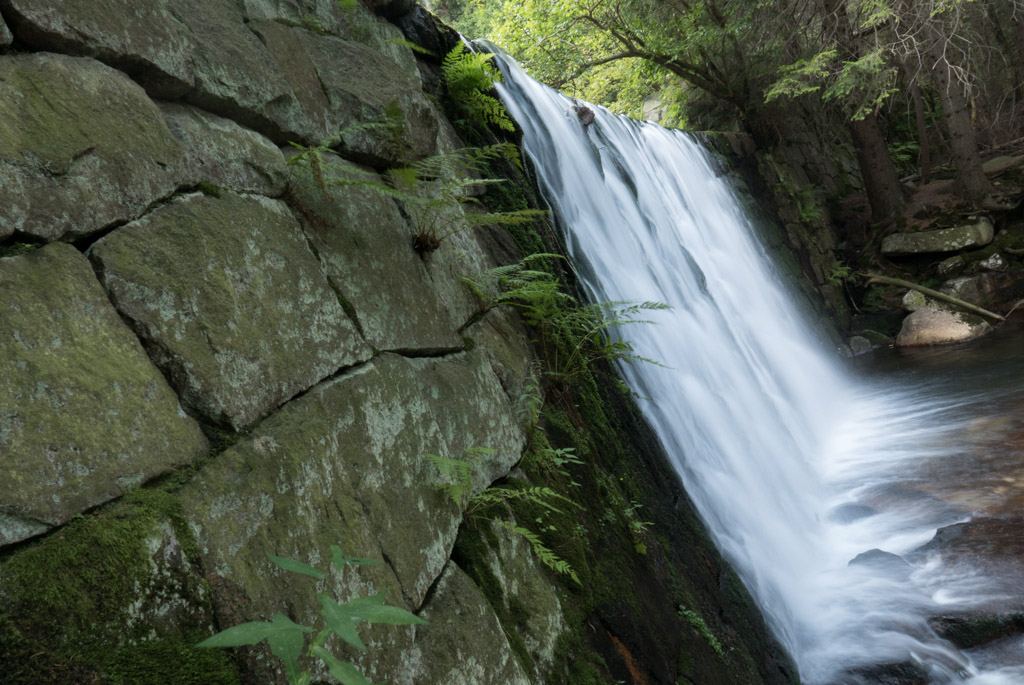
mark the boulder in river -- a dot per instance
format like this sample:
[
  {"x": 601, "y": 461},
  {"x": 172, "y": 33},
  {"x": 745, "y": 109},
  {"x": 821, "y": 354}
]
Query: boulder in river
[{"x": 930, "y": 326}]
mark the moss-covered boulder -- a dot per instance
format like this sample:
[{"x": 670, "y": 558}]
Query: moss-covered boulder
[
  {"x": 953, "y": 239},
  {"x": 351, "y": 455},
  {"x": 235, "y": 75},
  {"x": 366, "y": 247},
  {"x": 526, "y": 592},
  {"x": 84, "y": 414},
  {"x": 221, "y": 154},
  {"x": 101, "y": 156},
  {"x": 230, "y": 302},
  {"x": 114, "y": 597}
]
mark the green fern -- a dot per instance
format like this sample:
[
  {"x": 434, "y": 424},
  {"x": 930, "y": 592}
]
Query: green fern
[
  {"x": 432, "y": 190},
  {"x": 457, "y": 474},
  {"x": 544, "y": 554},
  {"x": 573, "y": 336},
  {"x": 469, "y": 78}
]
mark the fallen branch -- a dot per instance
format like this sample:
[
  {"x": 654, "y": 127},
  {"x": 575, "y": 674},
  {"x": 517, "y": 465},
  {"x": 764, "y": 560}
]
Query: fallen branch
[
  {"x": 1013, "y": 250},
  {"x": 935, "y": 294}
]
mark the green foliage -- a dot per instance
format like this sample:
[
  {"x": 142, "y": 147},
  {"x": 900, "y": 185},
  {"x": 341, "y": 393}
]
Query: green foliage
[
  {"x": 544, "y": 554},
  {"x": 437, "y": 192},
  {"x": 287, "y": 639},
  {"x": 839, "y": 273},
  {"x": 469, "y": 78},
  {"x": 458, "y": 487},
  {"x": 803, "y": 76},
  {"x": 573, "y": 336},
  {"x": 457, "y": 474},
  {"x": 701, "y": 627}
]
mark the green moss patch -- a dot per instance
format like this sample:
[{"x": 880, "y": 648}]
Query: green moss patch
[{"x": 110, "y": 597}]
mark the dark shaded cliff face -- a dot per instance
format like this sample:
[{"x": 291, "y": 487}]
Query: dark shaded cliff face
[{"x": 210, "y": 356}]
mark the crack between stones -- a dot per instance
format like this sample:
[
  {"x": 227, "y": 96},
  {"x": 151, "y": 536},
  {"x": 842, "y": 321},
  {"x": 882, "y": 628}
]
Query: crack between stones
[{"x": 427, "y": 352}]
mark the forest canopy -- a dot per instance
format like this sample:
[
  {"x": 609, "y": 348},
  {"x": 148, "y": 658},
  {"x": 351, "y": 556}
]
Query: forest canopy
[{"x": 908, "y": 84}]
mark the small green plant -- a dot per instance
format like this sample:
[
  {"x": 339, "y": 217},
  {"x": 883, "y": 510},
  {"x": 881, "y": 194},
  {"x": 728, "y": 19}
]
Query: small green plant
[
  {"x": 469, "y": 78},
  {"x": 637, "y": 526},
  {"x": 458, "y": 485},
  {"x": 433, "y": 191},
  {"x": 839, "y": 273},
  {"x": 458, "y": 474},
  {"x": 701, "y": 627},
  {"x": 287, "y": 639},
  {"x": 573, "y": 336}
]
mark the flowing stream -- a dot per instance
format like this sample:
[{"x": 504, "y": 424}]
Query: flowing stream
[{"x": 796, "y": 464}]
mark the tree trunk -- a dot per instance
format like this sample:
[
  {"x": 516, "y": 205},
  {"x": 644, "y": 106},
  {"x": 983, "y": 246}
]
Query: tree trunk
[
  {"x": 971, "y": 182},
  {"x": 885, "y": 195},
  {"x": 880, "y": 181},
  {"x": 924, "y": 156}
]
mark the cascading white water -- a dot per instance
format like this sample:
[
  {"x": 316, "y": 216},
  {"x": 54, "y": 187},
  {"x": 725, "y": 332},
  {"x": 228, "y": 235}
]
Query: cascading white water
[{"x": 767, "y": 433}]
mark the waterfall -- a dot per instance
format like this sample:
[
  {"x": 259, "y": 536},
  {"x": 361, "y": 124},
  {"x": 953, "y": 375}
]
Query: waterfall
[{"x": 768, "y": 433}]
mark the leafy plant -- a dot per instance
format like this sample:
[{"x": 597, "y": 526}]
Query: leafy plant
[
  {"x": 469, "y": 77},
  {"x": 433, "y": 190},
  {"x": 458, "y": 486},
  {"x": 287, "y": 639},
  {"x": 572, "y": 335},
  {"x": 701, "y": 627},
  {"x": 458, "y": 474}
]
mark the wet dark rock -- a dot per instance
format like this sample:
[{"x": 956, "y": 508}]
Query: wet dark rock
[
  {"x": 903, "y": 673},
  {"x": 890, "y": 563},
  {"x": 996, "y": 541},
  {"x": 850, "y": 512},
  {"x": 989, "y": 289},
  {"x": 975, "y": 629},
  {"x": 859, "y": 345},
  {"x": 424, "y": 29},
  {"x": 390, "y": 9}
]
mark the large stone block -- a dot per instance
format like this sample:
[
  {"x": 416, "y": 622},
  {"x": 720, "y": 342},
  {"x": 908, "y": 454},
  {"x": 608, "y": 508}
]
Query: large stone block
[
  {"x": 464, "y": 644},
  {"x": 366, "y": 247},
  {"x": 953, "y": 239},
  {"x": 348, "y": 461},
  {"x": 84, "y": 415},
  {"x": 81, "y": 147},
  {"x": 145, "y": 39},
  {"x": 235, "y": 75},
  {"x": 230, "y": 302},
  {"x": 109, "y": 599},
  {"x": 370, "y": 88},
  {"x": 270, "y": 65},
  {"x": 220, "y": 152}
]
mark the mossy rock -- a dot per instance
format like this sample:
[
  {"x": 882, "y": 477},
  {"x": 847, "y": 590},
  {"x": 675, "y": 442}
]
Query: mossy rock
[
  {"x": 223, "y": 155},
  {"x": 239, "y": 320},
  {"x": 102, "y": 157},
  {"x": 115, "y": 597},
  {"x": 84, "y": 414},
  {"x": 366, "y": 248}
]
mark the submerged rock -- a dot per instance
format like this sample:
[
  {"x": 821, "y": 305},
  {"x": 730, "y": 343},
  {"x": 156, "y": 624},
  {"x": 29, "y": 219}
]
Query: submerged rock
[
  {"x": 929, "y": 326},
  {"x": 943, "y": 240},
  {"x": 887, "y": 562}
]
